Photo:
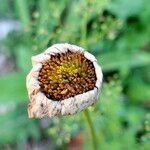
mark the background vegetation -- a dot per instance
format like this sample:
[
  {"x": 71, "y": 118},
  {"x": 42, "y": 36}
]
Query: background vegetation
[{"x": 117, "y": 32}]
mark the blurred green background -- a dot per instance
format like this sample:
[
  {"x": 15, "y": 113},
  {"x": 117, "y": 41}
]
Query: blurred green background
[{"x": 117, "y": 32}]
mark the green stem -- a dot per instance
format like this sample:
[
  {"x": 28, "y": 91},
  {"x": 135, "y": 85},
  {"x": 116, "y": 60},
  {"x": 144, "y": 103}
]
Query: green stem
[
  {"x": 91, "y": 129},
  {"x": 23, "y": 12}
]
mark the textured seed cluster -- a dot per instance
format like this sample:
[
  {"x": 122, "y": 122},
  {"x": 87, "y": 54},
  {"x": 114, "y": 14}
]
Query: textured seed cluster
[{"x": 66, "y": 75}]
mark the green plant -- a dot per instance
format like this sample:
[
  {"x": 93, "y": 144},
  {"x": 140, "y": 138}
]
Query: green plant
[{"x": 117, "y": 33}]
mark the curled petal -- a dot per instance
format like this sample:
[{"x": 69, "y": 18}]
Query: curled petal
[
  {"x": 38, "y": 107},
  {"x": 68, "y": 106},
  {"x": 60, "y": 47},
  {"x": 75, "y": 48},
  {"x": 52, "y": 50},
  {"x": 42, "y": 106},
  {"x": 89, "y": 56},
  {"x": 41, "y": 58},
  {"x": 99, "y": 75},
  {"x": 79, "y": 102},
  {"x": 54, "y": 108}
]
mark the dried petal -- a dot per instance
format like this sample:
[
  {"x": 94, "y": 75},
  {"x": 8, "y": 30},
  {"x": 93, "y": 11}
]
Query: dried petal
[
  {"x": 99, "y": 74},
  {"x": 40, "y": 58},
  {"x": 89, "y": 56}
]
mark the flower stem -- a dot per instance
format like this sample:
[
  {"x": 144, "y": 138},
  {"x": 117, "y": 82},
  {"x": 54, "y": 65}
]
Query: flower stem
[{"x": 91, "y": 129}]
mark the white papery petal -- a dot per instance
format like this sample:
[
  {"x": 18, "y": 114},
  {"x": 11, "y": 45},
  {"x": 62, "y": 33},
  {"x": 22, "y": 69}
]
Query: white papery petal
[
  {"x": 86, "y": 99},
  {"x": 89, "y": 56},
  {"x": 63, "y": 48},
  {"x": 35, "y": 71},
  {"x": 37, "y": 67},
  {"x": 38, "y": 108},
  {"x": 54, "y": 108},
  {"x": 41, "y": 58},
  {"x": 75, "y": 48},
  {"x": 32, "y": 82},
  {"x": 52, "y": 51},
  {"x": 99, "y": 75},
  {"x": 79, "y": 102},
  {"x": 68, "y": 106}
]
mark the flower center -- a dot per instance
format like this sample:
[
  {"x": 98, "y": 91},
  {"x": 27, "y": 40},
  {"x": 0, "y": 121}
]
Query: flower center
[{"x": 66, "y": 75}]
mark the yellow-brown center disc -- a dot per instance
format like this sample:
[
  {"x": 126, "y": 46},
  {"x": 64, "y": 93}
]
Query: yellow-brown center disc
[{"x": 66, "y": 75}]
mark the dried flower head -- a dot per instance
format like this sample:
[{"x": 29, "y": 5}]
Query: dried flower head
[{"x": 64, "y": 80}]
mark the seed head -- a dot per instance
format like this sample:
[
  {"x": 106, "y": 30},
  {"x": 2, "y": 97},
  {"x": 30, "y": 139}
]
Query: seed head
[
  {"x": 66, "y": 75},
  {"x": 64, "y": 80}
]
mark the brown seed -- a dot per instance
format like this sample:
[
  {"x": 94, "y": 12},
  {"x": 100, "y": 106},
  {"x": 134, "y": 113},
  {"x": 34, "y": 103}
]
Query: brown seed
[{"x": 64, "y": 91}]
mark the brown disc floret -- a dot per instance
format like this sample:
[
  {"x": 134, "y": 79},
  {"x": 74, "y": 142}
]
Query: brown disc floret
[{"x": 65, "y": 75}]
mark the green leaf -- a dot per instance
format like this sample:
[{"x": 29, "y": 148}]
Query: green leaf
[
  {"x": 138, "y": 90},
  {"x": 115, "y": 60},
  {"x": 13, "y": 88},
  {"x": 125, "y": 8},
  {"x": 23, "y": 13},
  {"x": 16, "y": 127},
  {"x": 24, "y": 55}
]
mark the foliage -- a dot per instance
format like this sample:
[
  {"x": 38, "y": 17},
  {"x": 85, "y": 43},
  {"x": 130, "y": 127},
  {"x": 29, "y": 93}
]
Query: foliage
[{"x": 117, "y": 33}]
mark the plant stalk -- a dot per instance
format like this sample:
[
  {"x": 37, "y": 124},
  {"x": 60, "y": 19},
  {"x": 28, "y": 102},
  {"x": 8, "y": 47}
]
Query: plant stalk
[{"x": 90, "y": 128}]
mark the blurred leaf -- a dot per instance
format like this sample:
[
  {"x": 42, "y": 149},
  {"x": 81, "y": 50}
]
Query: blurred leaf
[
  {"x": 117, "y": 33},
  {"x": 124, "y": 9},
  {"x": 15, "y": 126},
  {"x": 116, "y": 60},
  {"x": 138, "y": 90},
  {"x": 23, "y": 13},
  {"x": 23, "y": 59},
  {"x": 13, "y": 88},
  {"x": 50, "y": 16},
  {"x": 145, "y": 12}
]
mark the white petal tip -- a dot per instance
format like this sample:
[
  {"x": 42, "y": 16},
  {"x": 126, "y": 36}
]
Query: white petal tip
[
  {"x": 89, "y": 56},
  {"x": 40, "y": 58}
]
